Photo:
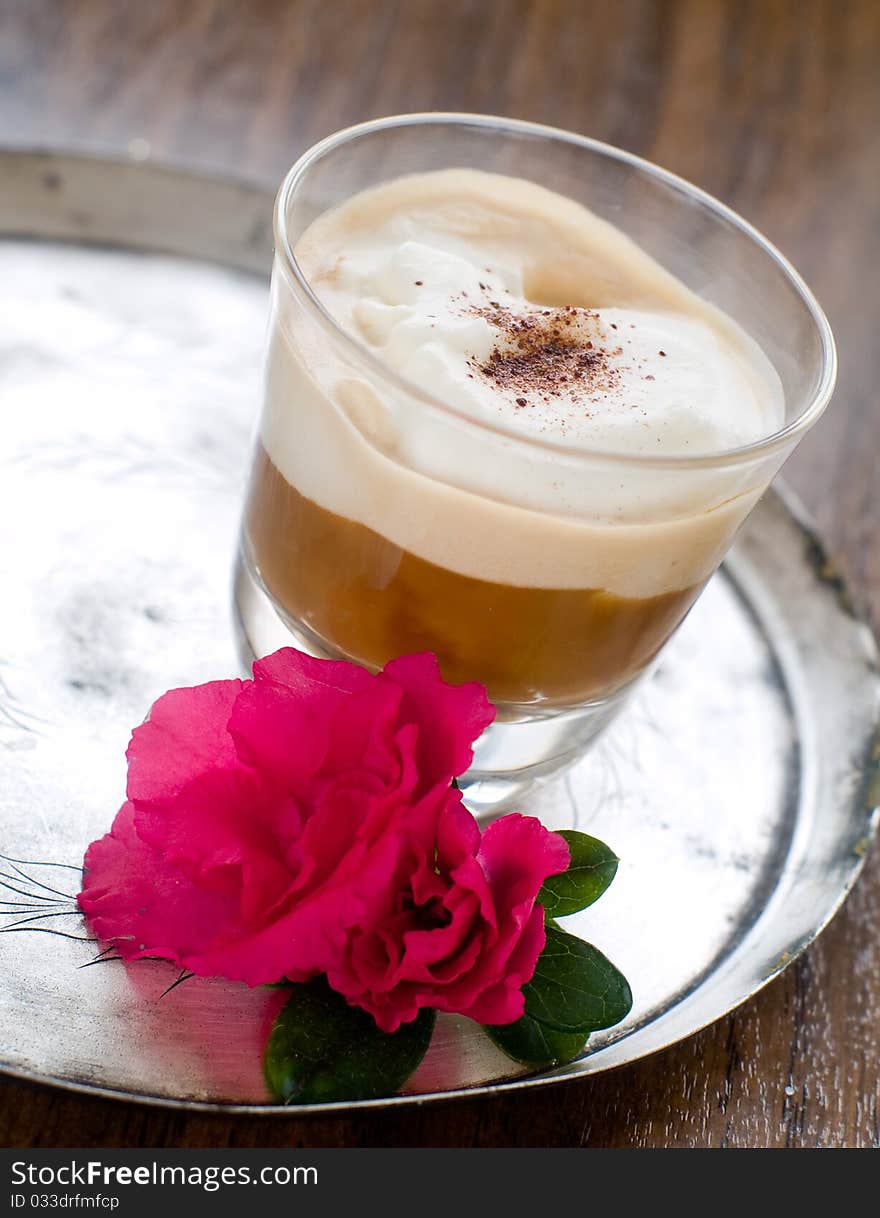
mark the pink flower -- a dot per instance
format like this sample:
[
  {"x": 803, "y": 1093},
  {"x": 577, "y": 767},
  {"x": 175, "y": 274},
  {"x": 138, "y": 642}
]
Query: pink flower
[
  {"x": 457, "y": 929},
  {"x": 304, "y": 823}
]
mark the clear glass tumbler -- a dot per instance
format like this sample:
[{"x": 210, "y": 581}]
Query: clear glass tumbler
[{"x": 338, "y": 575}]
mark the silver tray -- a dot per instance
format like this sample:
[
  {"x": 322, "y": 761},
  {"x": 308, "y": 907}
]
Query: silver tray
[{"x": 739, "y": 789}]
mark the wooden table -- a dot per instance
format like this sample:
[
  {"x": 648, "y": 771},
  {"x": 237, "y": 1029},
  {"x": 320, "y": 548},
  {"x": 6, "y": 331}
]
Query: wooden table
[{"x": 771, "y": 106}]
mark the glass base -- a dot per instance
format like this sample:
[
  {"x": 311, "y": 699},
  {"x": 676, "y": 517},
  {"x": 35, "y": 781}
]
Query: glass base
[{"x": 509, "y": 757}]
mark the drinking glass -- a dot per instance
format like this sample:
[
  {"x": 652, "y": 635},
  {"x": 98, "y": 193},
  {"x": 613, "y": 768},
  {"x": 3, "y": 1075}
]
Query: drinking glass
[{"x": 381, "y": 534}]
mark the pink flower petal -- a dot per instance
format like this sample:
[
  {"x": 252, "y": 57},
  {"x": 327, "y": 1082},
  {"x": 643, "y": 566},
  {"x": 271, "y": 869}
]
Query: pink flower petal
[
  {"x": 281, "y": 734},
  {"x": 363, "y": 736},
  {"x": 309, "y": 679},
  {"x": 142, "y": 906},
  {"x": 184, "y": 734},
  {"x": 497, "y": 1004},
  {"x": 503, "y": 1002},
  {"x": 517, "y": 854},
  {"x": 450, "y": 717}
]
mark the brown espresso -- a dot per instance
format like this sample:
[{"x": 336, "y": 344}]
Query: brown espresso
[{"x": 368, "y": 598}]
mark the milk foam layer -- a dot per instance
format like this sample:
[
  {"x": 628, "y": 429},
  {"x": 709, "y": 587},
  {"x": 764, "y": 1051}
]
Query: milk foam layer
[
  {"x": 660, "y": 382},
  {"x": 447, "y": 278}
]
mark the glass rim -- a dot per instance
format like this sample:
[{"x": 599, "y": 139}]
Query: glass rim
[{"x": 756, "y": 449}]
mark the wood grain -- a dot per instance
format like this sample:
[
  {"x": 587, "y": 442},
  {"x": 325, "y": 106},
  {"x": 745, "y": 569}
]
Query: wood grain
[{"x": 773, "y": 106}]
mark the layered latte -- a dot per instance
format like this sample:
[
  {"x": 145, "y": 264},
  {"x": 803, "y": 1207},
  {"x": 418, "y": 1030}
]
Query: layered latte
[{"x": 505, "y": 467}]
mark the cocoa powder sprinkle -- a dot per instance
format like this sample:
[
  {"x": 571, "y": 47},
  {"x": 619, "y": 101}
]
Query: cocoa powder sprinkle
[{"x": 546, "y": 354}]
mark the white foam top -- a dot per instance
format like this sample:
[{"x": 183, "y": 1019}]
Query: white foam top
[
  {"x": 651, "y": 382},
  {"x": 524, "y": 312}
]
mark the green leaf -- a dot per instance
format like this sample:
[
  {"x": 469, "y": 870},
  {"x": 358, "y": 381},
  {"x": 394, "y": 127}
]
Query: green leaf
[
  {"x": 591, "y": 870},
  {"x": 534, "y": 1044},
  {"x": 575, "y": 988},
  {"x": 320, "y": 1049}
]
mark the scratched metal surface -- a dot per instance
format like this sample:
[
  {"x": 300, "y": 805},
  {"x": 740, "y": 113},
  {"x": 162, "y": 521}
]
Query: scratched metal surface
[{"x": 739, "y": 789}]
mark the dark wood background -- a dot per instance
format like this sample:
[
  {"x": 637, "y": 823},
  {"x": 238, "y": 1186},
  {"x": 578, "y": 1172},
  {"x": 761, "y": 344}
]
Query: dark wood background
[{"x": 771, "y": 106}]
